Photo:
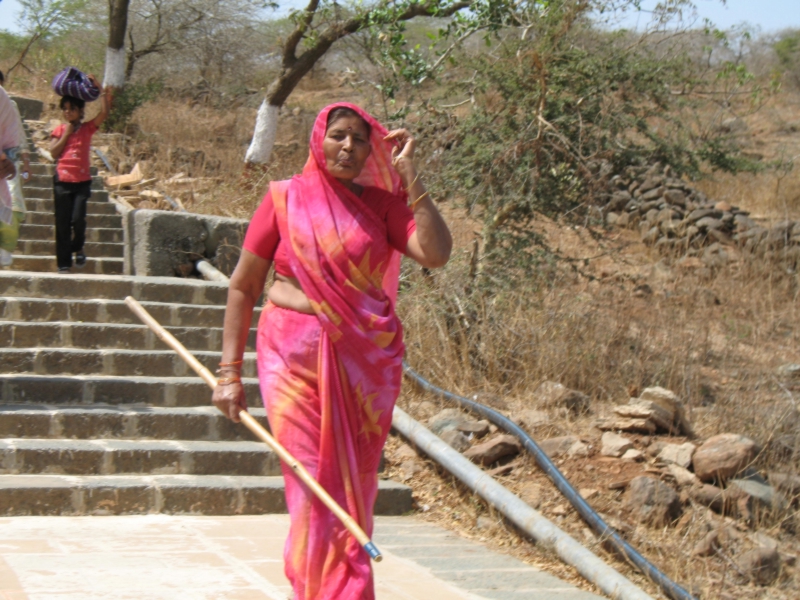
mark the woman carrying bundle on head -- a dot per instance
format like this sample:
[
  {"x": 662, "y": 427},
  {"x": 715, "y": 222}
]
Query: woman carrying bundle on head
[{"x": 330, "y": 345}]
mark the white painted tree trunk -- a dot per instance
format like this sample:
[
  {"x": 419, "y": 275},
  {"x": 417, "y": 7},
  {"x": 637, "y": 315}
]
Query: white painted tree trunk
[
  {"x": 264, "y": 136},
  {"x": 115, "y": 67}
]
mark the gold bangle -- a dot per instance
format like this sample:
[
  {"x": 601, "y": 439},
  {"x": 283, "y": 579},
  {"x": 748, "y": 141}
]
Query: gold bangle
[
  {"x": 228, "y": 380},
  {"x": 233, "y": 363},
  {"x": 413, "y": 205},
  {"x": 228, "y": 370},
  {"x": 408, "y": 189}
]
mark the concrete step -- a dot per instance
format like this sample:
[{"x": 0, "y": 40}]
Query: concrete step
[
  {"x": 111, "y": 311},
  {"x": 112, "y": 362},
  {"x": 92, "y": 221},
  {"x": 87, "y": 390},
  {"x": 46, "y": 193},
  {"x": 47, "y": 181},
  {"x": 48, "y": 232},
  {"x": 38, "y": 168},
  {"x": 48, "y": 248},
  {"x": 200, "y": 423},
  {"x": 55, "y": 334},
  {"x": 95, "y": 266},
  {"x": 21, "y": 456},
  {"x": 83, "y": 286},
  {"x": 173, "y": 494},
  {"x": 92, "y": 207}
]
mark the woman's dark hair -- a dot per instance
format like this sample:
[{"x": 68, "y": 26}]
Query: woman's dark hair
[
  {"x": 343, "y": 111},
  {"x": 73, "y": 102},
  {"x": 2, "y": 78}
]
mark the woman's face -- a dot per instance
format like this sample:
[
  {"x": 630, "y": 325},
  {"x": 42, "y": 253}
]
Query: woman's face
[{"x": 346, "y": 147}]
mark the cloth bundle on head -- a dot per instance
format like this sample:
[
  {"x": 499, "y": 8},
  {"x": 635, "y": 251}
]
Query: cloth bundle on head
[{"x": 72, "y": 82}]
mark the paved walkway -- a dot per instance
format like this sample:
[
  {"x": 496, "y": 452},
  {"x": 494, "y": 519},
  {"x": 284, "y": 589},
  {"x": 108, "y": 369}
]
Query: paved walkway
[{"x": 239, "y": 558}]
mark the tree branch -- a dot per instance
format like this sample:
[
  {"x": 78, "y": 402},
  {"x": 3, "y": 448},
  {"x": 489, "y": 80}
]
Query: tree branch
[{"x": 290, "y": 47}]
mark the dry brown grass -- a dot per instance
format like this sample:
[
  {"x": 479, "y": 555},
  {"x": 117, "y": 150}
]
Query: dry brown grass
[
  {"x": 590, "y": 323},
  {"x": 715, "y": 341},
  {"x": 601, "y": 339}
]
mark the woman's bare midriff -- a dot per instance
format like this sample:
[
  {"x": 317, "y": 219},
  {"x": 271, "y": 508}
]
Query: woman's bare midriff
[{"x": 287, "y": 293}]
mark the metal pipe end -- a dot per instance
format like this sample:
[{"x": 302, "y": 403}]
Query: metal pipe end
[{"x": 373, "y": 552}]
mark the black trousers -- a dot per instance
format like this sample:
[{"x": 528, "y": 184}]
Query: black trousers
[{"x": 70, "y": 208}]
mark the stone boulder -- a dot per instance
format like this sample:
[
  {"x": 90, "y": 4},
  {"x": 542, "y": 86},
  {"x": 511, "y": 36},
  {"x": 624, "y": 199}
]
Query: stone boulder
[
  {"x": 455, "y": 439},
  {"x": 723, "y": 456},
  {"x": 652, "y": 502},
  {"x": 614, "y": 444},
  {"x": 447, "y": 419},
  {"x": 678, "y": 454},
  {"x": 493, "y": 450}
]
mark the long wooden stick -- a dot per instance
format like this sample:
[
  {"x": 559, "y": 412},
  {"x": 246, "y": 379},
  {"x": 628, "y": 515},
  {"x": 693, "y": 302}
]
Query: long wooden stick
[{"x": 259, "y": 431}]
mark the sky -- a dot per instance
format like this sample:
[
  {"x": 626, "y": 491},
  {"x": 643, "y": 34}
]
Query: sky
[{"x": 768, "y": 15}]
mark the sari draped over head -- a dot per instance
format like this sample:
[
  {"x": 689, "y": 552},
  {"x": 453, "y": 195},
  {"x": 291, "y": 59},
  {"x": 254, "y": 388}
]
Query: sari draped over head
[{"x": 349, "y": 272}]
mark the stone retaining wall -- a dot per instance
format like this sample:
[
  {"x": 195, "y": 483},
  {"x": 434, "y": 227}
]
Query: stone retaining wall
[
  {"x": 679, "y": 220},
  {"x": 165, "y": 243}
]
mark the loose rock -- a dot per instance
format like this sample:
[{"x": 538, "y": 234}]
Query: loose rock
[
  {"x": 678, "y": 454},
  {"x": 652, "y": 502},
  {"x": 493, "y": 450},
  {"x": 683, "y": 477},
  {"x": 723, "y": 456},
  {"x": 455, "y": 439},
  {"x": 477, "y": 428},
  {"x": 614, "y": 444},
  {"x": 633, "y": 455}
]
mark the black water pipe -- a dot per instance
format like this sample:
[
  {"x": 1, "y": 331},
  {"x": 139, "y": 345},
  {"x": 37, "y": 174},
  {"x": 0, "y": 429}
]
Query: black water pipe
[{"x": 600, "y": 527}]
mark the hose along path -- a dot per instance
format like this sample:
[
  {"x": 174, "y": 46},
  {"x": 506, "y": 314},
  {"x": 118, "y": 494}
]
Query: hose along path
[{"x": 600, "y": 527}]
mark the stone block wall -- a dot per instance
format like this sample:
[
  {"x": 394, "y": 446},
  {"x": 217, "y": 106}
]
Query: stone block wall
[{"x": 167, "y": 244}]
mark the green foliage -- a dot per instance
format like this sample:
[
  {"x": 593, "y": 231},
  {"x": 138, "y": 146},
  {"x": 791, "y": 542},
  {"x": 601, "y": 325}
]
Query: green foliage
[
  {"x": 556, "y": 115},
  {"x": 787, "y": 48},
  {"x": 127, "y": 100},
  {"x": 45, "y": 18}
]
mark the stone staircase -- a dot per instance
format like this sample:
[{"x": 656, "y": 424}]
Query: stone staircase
[{"x": 97, "y": 416}]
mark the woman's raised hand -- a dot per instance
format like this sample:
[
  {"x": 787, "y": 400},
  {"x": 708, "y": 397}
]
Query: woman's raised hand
[{"x": 402, "y": 152}]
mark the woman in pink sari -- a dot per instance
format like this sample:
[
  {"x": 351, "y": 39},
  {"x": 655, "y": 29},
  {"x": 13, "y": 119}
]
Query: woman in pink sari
[{"x": 330, "y": 345}]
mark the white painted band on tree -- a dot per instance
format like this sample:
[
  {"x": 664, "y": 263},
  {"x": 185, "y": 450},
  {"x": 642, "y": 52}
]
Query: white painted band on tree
[
  {"x": 264, "y": 137},
  {"x": 115, "y": 67}
]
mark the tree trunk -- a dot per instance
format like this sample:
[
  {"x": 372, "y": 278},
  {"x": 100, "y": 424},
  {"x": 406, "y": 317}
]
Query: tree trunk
[
  {"x": 264, "y": 136},
  {"x": 279, "y": 90},
  {"x": 115, "y": 52}
]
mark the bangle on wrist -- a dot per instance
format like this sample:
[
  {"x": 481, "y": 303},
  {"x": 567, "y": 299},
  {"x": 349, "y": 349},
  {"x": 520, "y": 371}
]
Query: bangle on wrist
[
  {"x": 228, "y": 380},
  {"x": 228, "y": 370},
  {"x": 410, "y": 185},
  {"x": 413, "y": 205}
]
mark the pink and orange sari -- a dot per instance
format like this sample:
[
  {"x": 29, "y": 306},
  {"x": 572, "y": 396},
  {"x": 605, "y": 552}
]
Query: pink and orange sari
[{"x": 330, "y": 380}]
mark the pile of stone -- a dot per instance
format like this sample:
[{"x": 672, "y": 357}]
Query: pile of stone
[
  {"x": 655, "y": 410},
  {"x": 679, "y": 220},
  {"x": 718, "y": 473}
]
